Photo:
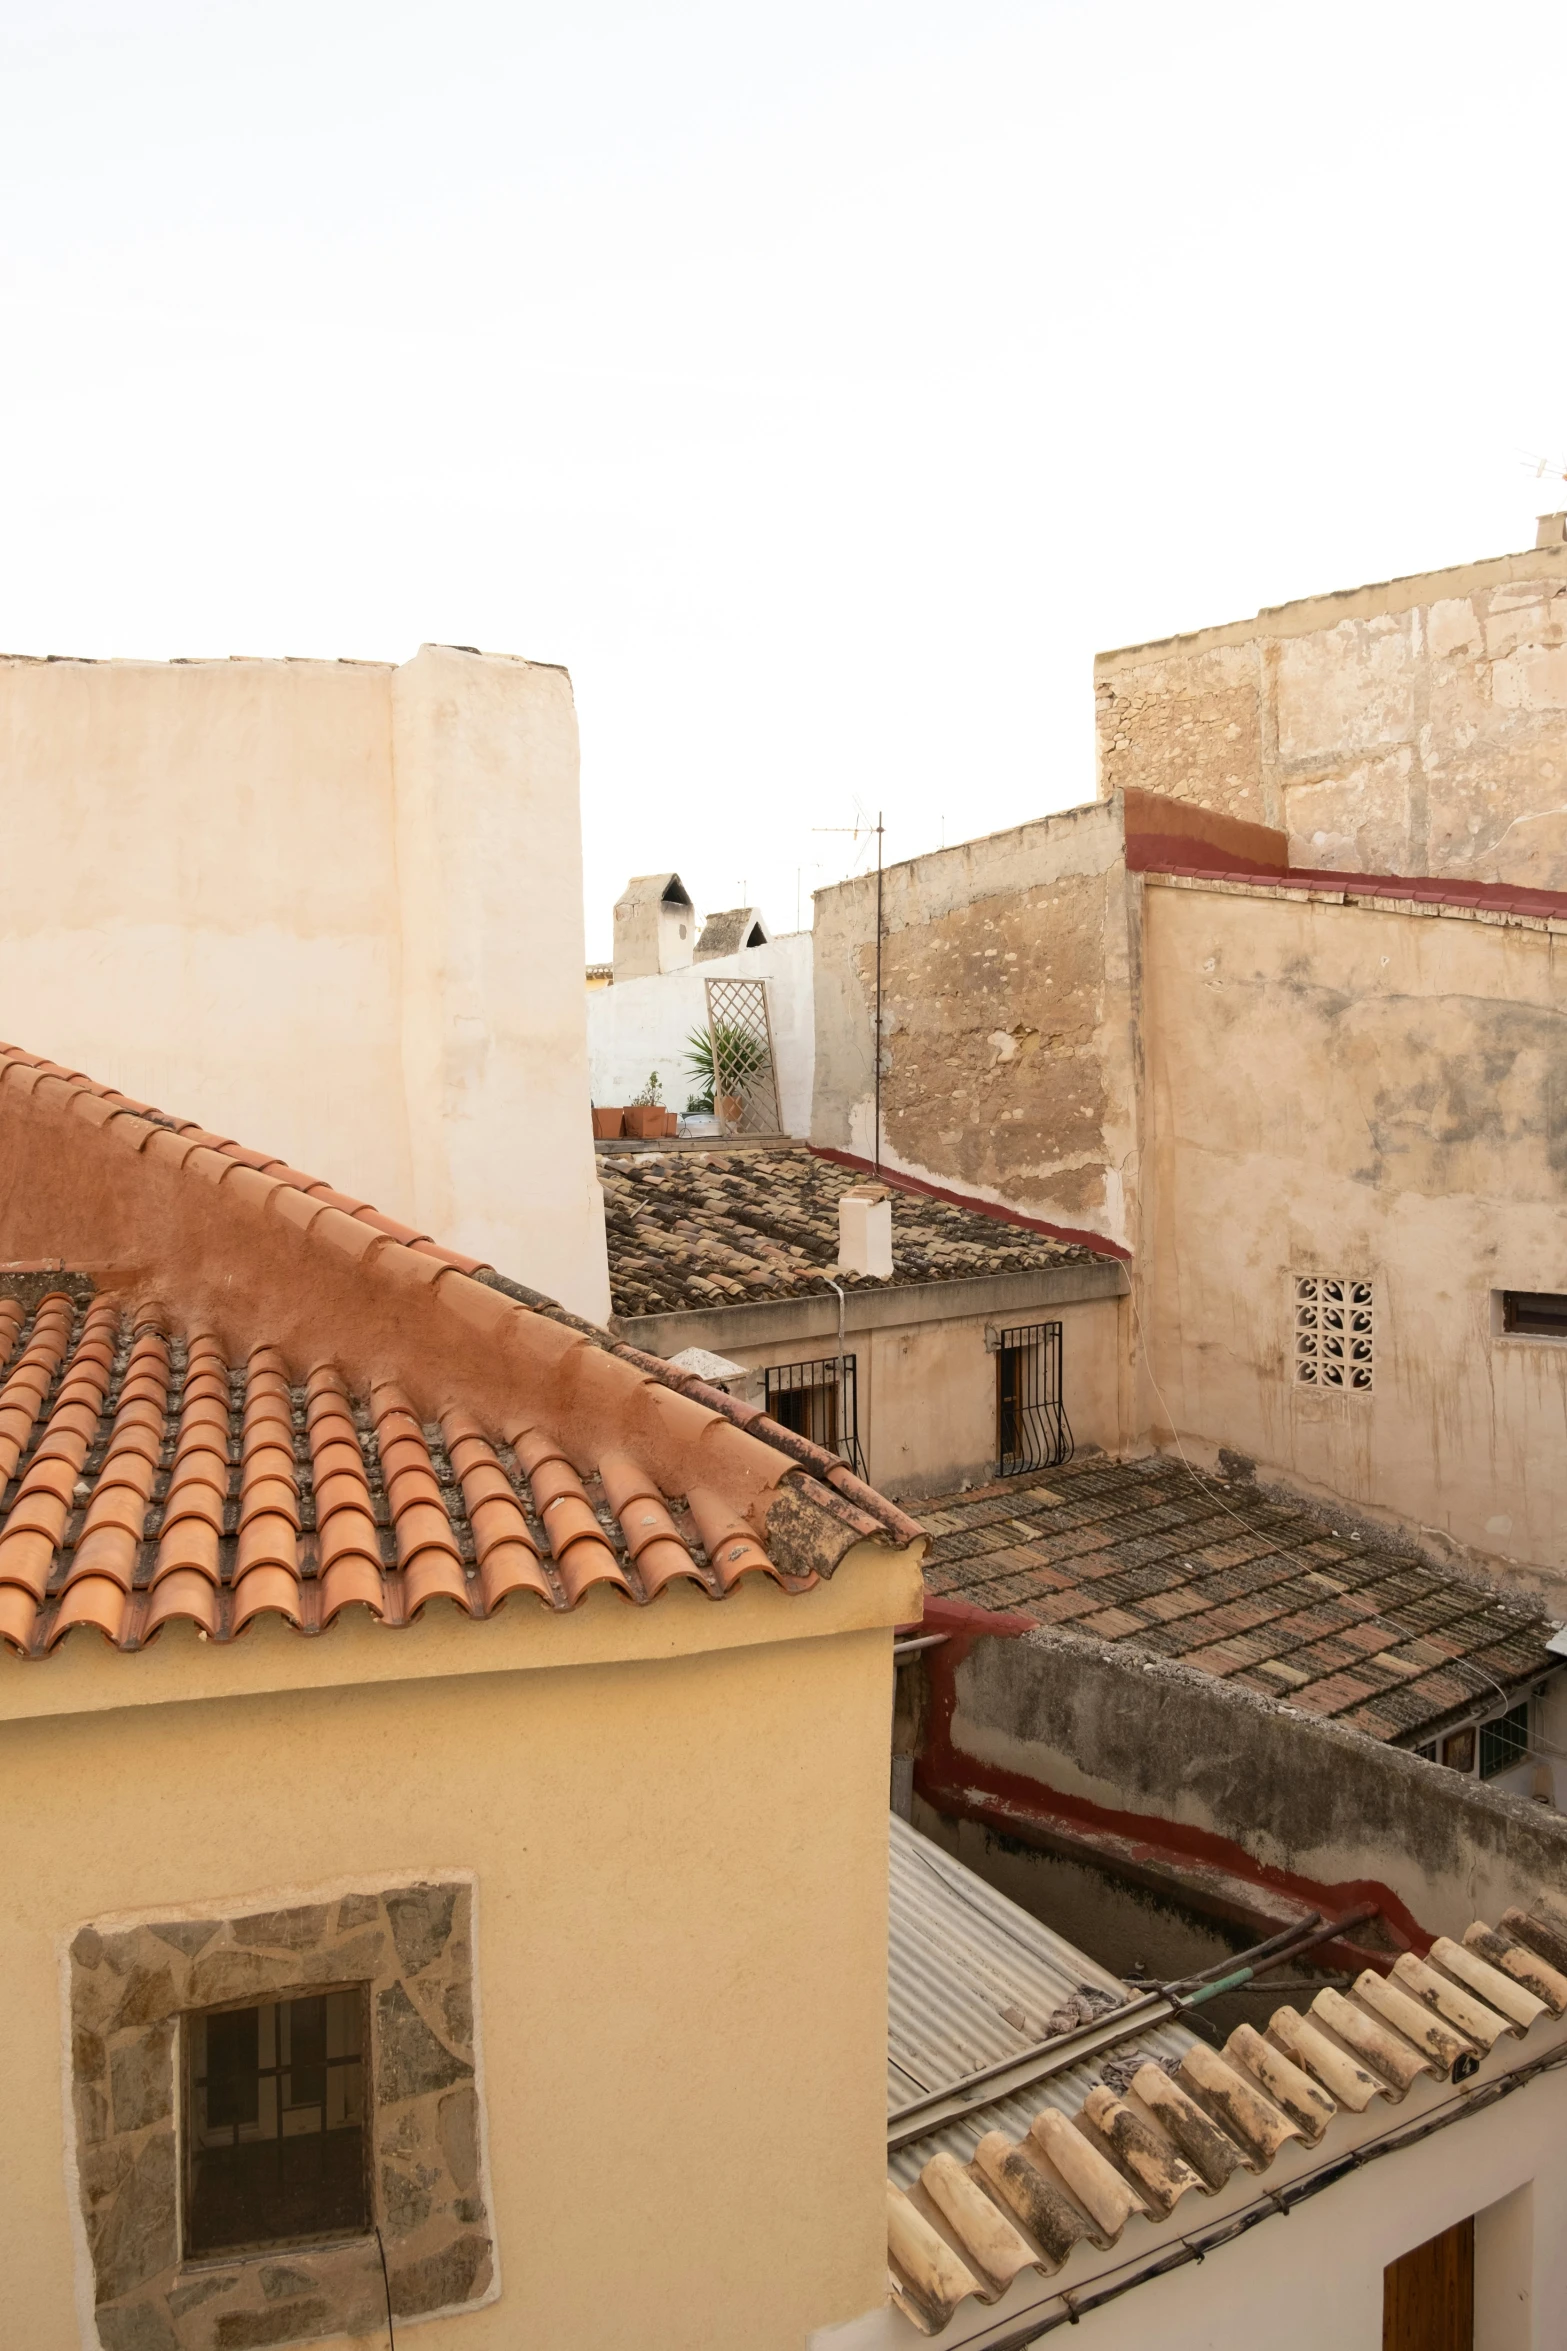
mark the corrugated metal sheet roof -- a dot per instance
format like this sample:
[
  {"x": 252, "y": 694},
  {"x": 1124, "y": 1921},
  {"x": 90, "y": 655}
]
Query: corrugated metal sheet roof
[{"x": 973, "y": 1980}]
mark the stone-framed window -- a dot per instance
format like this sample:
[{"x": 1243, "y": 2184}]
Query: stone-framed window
[{"x": 141, "y": 1999}]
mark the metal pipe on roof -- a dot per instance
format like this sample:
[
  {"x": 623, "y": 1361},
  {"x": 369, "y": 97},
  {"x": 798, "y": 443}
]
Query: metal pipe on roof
[{"x": 1003, "y": 2079}]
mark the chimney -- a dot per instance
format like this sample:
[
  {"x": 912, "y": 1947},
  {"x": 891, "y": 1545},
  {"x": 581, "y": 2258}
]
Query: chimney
[
  {"x": 865, "y": 1231},
  {"x": 1550, "y": 530}
]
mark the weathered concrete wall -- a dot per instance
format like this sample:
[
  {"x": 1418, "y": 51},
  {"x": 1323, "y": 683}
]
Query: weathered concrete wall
[
  {"x": 331, "y": 909},
  {"x": 1356, "y": 1091},
  {"x": 610, "y": 1902},
  {"x": 1419, "y": 726},
  {"x": 640, "y": 1025},
  {"x": 1007, "y": 1020},
  {"x": 1054, "y": 1729}
]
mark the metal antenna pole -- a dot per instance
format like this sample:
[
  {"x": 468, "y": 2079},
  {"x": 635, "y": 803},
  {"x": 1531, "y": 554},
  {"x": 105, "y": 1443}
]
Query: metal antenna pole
[{"x": 878, "y": 991}]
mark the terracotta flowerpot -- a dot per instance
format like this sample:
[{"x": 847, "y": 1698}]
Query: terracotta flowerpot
[
  {"x": 608, "y": 1125},
  {"x": 671, "y": 1122},
  {"x": 644, "y": 1121}
]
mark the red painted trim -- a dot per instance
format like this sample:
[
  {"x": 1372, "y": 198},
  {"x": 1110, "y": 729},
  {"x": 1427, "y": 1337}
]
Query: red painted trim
[
  {"x": 1430, "y": 889},
  {"x": 960, "y": 1784},
  {"x": 1030, "y": 1224}
]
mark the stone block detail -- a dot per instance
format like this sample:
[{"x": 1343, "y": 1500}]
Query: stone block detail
[{"x": 411, "y": 1947}]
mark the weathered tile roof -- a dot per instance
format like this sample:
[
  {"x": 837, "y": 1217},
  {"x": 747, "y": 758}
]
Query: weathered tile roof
[
  {"x": 724, "y": 1228},
  {"x": 1119, "y": 2164},
  {"x": 1217, "y": 1575},
  {"x": 259, "y": 1394}
]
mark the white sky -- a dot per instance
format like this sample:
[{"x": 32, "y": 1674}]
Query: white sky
[{"x": 821, "y": 384}]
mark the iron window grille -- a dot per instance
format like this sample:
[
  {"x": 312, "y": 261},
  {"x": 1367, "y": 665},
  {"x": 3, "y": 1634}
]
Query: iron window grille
[
  {"x": 1334, "y": 1332},
  {"x": 819, "y": 1401},
  {"x": 277, "y": 2148},
  {"x": 1504, "y": 1740},
  {"x": 1032, "y": 1430}
]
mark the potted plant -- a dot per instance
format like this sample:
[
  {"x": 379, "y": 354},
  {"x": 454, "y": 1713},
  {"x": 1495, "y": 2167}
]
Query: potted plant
[
  {"x": 644, "y": 1113},
  {"x": 608, "y": 1125},
  {"x": 741, "y": 1057}
]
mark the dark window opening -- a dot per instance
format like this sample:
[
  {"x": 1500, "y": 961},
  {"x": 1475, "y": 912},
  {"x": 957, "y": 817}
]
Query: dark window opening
[
  {"x": 1541, "y": 1314},
  {"x": 756, "y": 936},
  {"x": 1032, "y": 1430},
  {"x": 1505, "y": 1741},
  {"x": 818, "y": 1401},
  {"x": 276, "y": 2143}
]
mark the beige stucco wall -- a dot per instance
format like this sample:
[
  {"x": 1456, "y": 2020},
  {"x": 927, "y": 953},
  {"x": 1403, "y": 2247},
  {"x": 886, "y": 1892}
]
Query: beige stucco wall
[
  {"x": 1342, "y": 1089},
  {"x": 927, "y": 1390},
  {"x": 1418, "y": 726},
  {"x": 676, "y": 1818},
  {"x": 332, "y": 909},
  {"x": 1007, "y": 1025}
]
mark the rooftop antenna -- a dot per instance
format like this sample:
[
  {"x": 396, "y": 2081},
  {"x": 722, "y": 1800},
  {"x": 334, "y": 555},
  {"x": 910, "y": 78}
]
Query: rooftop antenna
[{"x": 864, "y": 829}]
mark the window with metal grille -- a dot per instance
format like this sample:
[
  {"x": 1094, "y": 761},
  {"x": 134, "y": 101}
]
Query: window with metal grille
[
  {"x": 1032, "y": 1431},
  {"x": 818, "y": 1400},
  {"x": 1504, "y": 1741},
  {"x": 1334, "y": 1332},
  {"x": 1535, "y": 1314},
  {"x": 276, "y": 2144}
]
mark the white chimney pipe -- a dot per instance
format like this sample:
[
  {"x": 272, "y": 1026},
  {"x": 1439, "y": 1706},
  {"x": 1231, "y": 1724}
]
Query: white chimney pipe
[{"x": 865, "y": 1231}]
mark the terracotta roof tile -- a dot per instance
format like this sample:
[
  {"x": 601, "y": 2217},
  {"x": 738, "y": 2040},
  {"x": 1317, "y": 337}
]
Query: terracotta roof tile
[
  {"x": 1116, "y": 2163},
  {"x": 325, "y": 1410},
  {"x": 691, "y": 1229},
  {"x": 1145, "y": 1555}
]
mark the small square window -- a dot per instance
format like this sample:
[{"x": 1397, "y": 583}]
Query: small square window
[
  {"x": 276, "y": 2145},
  {"x": 1535, "y": 1314},
  {"x": 1504, "y": 1741}
]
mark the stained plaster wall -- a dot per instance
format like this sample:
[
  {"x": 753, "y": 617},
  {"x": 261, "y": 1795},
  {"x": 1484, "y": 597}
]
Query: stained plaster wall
[
  {"x": 331, "y": 909},
  {"x": 641, "y": 1025},
  {"x": 1007, "y": 1026},
  {"x": 683, "y": 2147},
  {"x": 1341, "y": 1089},
  {"x": 1134, "y": 1746},
  {"x": 1419, "y": 726}
]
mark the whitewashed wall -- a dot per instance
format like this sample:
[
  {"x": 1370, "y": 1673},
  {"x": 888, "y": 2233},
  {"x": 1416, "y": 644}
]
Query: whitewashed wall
[
  {"x": 639, "y": 1026},
  {"x": 331, "y": 909}
]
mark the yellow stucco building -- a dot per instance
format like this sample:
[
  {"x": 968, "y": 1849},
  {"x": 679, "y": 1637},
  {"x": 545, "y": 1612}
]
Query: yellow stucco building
[{"x": 446, "y": 1769}]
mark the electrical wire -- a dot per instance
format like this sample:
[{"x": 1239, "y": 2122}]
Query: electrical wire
[{"x": 387, "y": 2283}]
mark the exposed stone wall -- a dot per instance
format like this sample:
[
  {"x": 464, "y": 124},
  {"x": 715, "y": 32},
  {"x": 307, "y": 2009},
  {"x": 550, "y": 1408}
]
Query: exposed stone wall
[
  {"x": 1006, "y": 1020},
  {"x": 1415, "y": 727},
  {"x": 413, "y": 1949}
]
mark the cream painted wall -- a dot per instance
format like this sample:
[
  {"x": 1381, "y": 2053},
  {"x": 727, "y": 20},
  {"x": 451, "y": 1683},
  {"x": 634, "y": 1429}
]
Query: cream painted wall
[
  {"x": 927, "y": 1391},
  {"x": 328, "y": 908},
  {"x": 680, "y": 1853},
  {"x": 641, "y": 1025},
  {"x": 1339, "y": 1089}
]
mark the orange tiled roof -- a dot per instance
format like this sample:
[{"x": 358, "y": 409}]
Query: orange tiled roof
[{"x": 261, "y": 1395}]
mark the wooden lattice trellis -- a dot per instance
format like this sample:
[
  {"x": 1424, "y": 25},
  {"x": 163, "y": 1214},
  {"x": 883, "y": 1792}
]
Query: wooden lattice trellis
[{"x": 745, "y": 1086}]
